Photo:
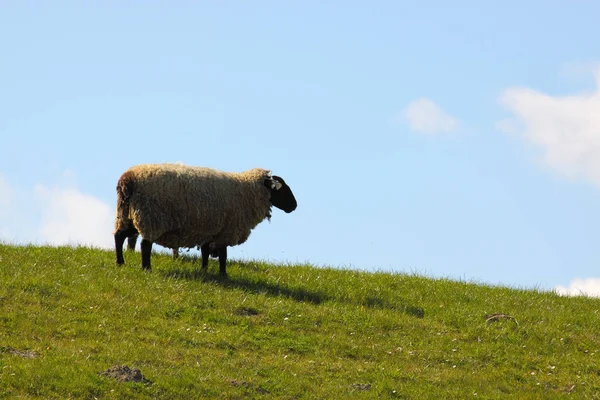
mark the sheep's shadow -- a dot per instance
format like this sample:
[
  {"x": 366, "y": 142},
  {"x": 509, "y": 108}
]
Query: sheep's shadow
[
  {"x": 299, "y": 294},
  {"x": 253, "y": 286},
  {"x": 259, "y": 285},
  {"x": 377, "y": 302}
]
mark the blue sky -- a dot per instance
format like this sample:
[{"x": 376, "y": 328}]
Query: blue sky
[{"x": 451, "y": 139}]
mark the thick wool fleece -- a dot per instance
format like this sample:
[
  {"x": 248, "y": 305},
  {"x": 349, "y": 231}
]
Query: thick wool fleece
[{"x": 181, "y": 206}]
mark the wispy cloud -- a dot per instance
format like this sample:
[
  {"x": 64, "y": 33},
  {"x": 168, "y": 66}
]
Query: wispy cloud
[
  {"x": 72, "y": 217},
  {"x": 66, "y": 215},
  {"x": 425, "y": 116},
  {"x": 581, "y": 287},
  {"x": 566, "y": 129}
]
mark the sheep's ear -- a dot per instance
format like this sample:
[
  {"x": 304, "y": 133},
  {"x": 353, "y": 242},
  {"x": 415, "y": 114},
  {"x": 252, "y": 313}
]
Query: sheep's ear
[
  {"x": 273, "y": 184},
  {"x": 276, "y": 185}
]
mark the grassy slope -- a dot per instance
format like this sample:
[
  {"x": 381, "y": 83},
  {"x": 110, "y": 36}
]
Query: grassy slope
[{"x": 280, "y": 331}]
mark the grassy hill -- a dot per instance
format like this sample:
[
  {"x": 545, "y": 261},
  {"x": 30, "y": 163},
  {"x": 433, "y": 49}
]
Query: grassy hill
[{"x": 67, "y": 315}]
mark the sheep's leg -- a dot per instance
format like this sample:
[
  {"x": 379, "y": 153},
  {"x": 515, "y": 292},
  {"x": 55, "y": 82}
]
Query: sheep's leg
[
  {"x": 214, "y": 252},
  {"x": 175, "y": 253},
  {"x": 131, "y": 240},
  {"x": 205, "y": 253},
  {"x": 146, "y": 251},
  {"x": 222, "y": 260},
  {"x": 119, "y": 240},
  {"x": 120, "y": 237}
]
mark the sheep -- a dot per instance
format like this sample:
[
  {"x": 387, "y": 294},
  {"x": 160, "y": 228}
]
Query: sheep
[{"x": 175, "y": 205}]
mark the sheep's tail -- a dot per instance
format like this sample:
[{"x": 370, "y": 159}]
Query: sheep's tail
[{"x": 125, "y": 188}]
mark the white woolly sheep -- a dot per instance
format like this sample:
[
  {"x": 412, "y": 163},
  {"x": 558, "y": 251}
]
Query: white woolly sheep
[{"x": 182, "y": 206}]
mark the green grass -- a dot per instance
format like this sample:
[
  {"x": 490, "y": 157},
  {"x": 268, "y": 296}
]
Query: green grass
[{"x": 293, "y": 332}]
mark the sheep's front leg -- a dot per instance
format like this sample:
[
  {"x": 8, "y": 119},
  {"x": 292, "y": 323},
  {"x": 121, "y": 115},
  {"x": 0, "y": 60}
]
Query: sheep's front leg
[{"x": 146, "y": 252}]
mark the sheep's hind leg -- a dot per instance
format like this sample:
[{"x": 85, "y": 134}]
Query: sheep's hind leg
[
  {"x": 222, "y": 260},
  {"x": 120, "y": 237},
  {"x": 146, "y": 252},
  {"x": 205, "y": 250},
  {"x": 131, "y": 240}
]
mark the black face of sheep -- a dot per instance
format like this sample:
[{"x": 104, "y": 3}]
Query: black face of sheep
[{"x": 281, "y": 194}]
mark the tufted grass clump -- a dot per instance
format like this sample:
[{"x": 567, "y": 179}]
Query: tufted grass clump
[{"x": 70, "y": 318}]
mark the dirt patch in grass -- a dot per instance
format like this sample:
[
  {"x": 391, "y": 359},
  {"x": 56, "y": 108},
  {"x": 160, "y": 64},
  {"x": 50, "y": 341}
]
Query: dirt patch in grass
[
  {"x": 123, "y": 373},
  {"x": 361, "y": 386},
  {"x": 247, "y": 311},
  {"x": 20, "y": 353}
]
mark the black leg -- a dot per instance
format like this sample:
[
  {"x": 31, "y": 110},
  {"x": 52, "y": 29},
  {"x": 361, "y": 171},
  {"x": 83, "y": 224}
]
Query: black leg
[
  {"x": 146, "y": 251},
  {"x": 175, "y": 253},
  {"x": 120, "y": 237},
  {"x": 222, "y": 260},
  {"x": 119, "y": 240},
  {"x": 214, "y": 252},
  {"x": 131, "y": 240},
  {"x": 205, "y": 253}
]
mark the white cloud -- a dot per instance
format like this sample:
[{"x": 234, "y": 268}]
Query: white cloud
[
  {"x": 56, "y": 215},
  {"x": 581, "y": 287},
  {"x": 72, "y": 217},
  {"x": 565, "y": 128},
  {"x": 424, "y": 116}
]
